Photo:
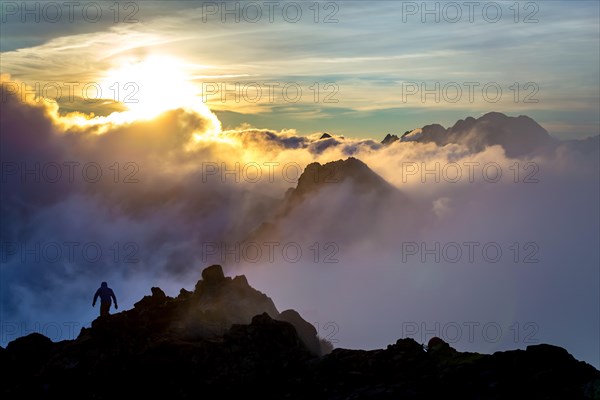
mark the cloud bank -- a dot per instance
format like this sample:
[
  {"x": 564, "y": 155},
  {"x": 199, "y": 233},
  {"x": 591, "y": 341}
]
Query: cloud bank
[{"x": 150, "y": 203}]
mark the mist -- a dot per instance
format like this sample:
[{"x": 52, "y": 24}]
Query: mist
[{"x": 486, "y": 250}]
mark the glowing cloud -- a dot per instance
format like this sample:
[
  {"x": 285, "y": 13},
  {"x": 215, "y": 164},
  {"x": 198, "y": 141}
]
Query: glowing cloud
[{"x": 150, "y": 86}]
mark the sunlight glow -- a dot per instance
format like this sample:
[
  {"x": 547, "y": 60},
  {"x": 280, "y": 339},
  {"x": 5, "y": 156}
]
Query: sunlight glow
[
  {"x": 148, "y": 88},
  {"x": 151, "y": 86}
]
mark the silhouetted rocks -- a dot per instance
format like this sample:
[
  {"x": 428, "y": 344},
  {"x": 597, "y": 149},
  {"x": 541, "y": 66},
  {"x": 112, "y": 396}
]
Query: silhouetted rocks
[
  {"x": 28, "y": 353},
  {"x": 517, "y": 135},
  {"x": 180, "y": 348},
  {"x": 157, "y": 298},
  {"x": 213, "y": 274},
  {"x": 389, "y": 139},
  {"x": 305, "y": 330},
  {"x": 325, "y": 136},
  {"x": 440, "y": 348}
]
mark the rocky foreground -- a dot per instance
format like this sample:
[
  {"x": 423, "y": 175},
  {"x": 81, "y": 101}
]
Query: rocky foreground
[{"x": 227, "y": 339}]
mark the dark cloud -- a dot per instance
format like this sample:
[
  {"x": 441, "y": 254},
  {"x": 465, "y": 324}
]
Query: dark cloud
[{"x": 174, "y": 194}]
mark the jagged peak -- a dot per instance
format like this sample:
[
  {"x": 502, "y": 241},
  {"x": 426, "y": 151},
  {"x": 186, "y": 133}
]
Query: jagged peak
[
  {"x": 317, "y": 175},
  {"x": 389, "y": 139}
]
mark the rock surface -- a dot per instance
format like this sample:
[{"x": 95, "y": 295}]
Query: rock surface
[{"x": 227, "y": 339}]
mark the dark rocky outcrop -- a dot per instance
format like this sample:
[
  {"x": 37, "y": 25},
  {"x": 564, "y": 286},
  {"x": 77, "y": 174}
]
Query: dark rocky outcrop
[
  {"x": 518, "y": 136},
  {"x": 389, "y": 139},
  {"x": 307, "y": 332},
  {"x": 216, "y": 304},
  {"x": 181, "y": 348}
]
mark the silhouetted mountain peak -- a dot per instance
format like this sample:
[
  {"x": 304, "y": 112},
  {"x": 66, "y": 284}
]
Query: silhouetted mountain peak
[
  {"x": 317, "y": 176},
  {"x": 349, "y": 180},
  {"x": 389, "y": 139},
  {"x": 517, "y": 135},
  {"x": 491, "y": 116},
  {"x": 465, "y": 124}
]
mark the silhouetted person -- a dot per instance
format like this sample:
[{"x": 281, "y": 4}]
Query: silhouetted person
[{"x": 106, "y": 294}]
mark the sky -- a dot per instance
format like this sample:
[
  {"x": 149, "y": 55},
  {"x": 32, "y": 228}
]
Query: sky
[
  {"x": 370, "y": 53},
  {"x": 142, "y": 141}
]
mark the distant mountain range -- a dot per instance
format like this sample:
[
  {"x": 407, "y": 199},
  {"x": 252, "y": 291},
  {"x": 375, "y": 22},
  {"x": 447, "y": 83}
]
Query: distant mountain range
[
  {"x": 227, "y": 339},
  {"x": 332, "y": 185},
  {"x": 518, "y": 136}
]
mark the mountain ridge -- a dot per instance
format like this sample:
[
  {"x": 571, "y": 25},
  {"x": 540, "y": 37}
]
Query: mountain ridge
[
  {"x": 139, "y": 352},
  {"x": 518, "y": 136}
]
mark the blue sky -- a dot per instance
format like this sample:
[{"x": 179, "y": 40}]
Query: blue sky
[{"x": 369, "y": 56}]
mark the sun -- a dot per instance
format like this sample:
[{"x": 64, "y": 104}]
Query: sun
[
  {"x": 150, "y": 86},
  {"x": 147, "y": 88}
]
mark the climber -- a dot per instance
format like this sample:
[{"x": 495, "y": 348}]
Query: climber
[{"x": 106, "y": 294}]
